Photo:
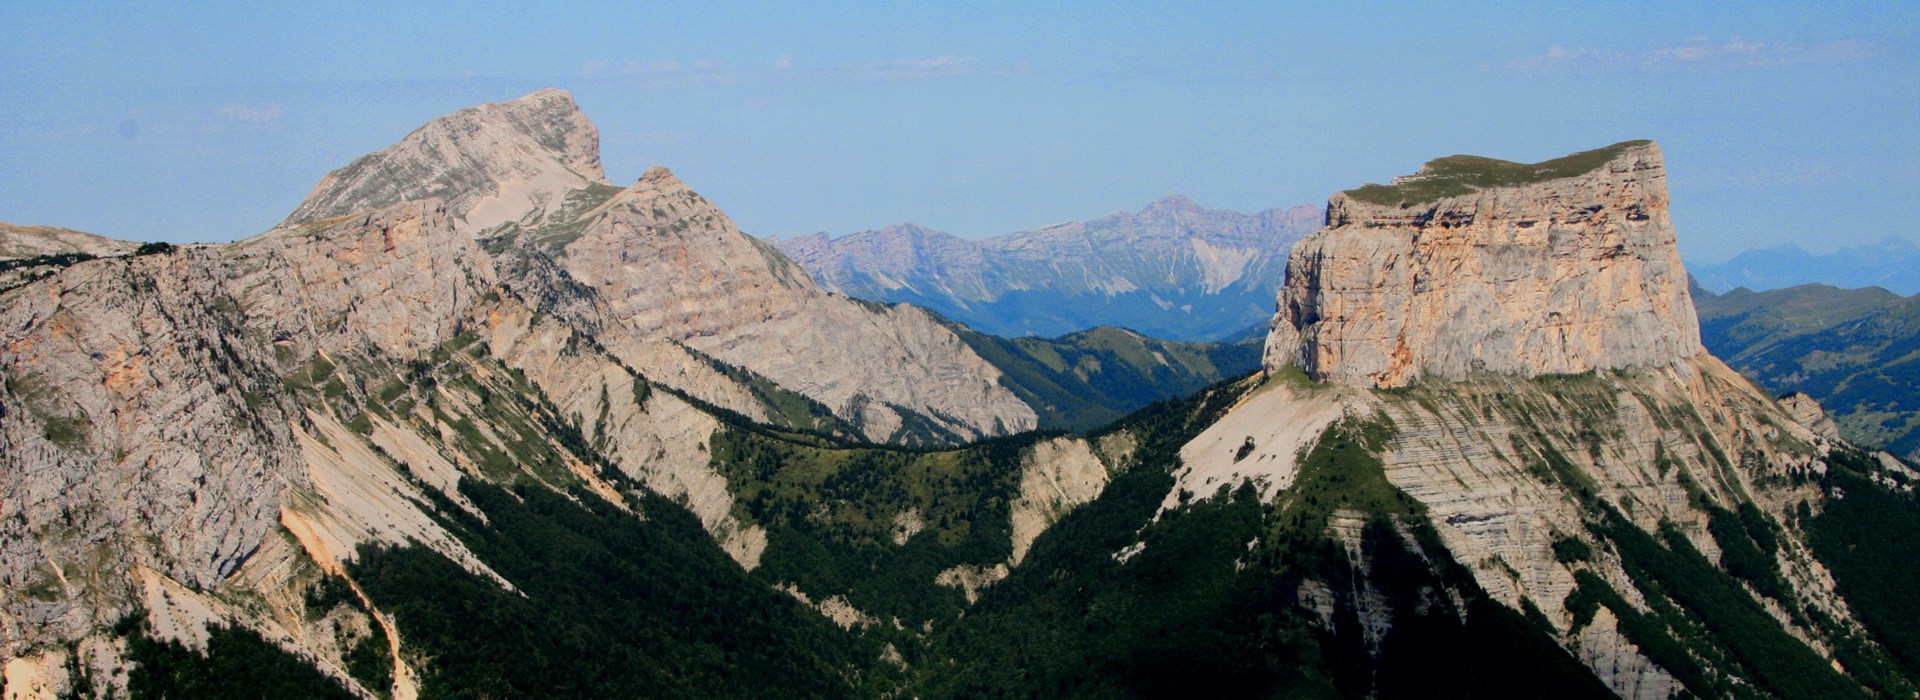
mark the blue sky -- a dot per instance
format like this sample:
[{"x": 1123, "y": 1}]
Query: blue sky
[{"x": 1781, "y": 122}]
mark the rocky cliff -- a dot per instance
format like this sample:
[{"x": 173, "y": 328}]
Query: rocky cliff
[
  {"x": 1476, "y": 265},
  {"x": 664, "y": 279},
  {"x": 1171, "y": 270},
  {"x": 1522, "y": 340},
  {"x": 498, "y": 162},
  {"x": 665, "y": 265},
  {"x": 343, "y": 438},
  {"x": 147, "y": 418}
]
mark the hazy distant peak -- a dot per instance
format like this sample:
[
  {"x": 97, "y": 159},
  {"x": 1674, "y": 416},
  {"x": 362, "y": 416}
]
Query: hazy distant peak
[
  {"x": 1174, "y": 269},
  {"x": 1171, "y": 204},
  {"x": 1893, "y": 263}
]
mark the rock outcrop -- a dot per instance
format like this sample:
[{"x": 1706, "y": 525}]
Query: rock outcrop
[
  {"x": 145, "y": 418},
  {"x": 665, "y": 265},
  {"x": 491, "y": 164},
  {"x": 30, "y": 241},
  {"x": 1483, "y": 266},
  {"x": 663, "y": 279}
]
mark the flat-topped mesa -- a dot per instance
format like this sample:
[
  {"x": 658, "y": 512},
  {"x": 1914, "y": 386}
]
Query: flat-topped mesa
[
  {"x": 491, "y": 164},
  {"x": 1480, "y": 265}
]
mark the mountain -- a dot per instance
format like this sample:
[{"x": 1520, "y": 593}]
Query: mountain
[
  {"x": 1850, "y": 349},
  {"x": 489, "y": 164},
  {"x": 1172, "y": 270},
  {"x": 1519, "y": 342},
  {"x": 1891, "y": 264},
  {"x": 417, "y": 451},
  {"x": 249, "y": 419},
  {"x": 27, "y": 253},
  {"x": 664, "y": 281},
  {"x": 1086, "y": 380},
  {"x": 17, "y": 242}
]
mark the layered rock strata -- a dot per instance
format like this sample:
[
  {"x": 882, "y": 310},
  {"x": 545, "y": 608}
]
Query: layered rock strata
[
  {"x": 664, "y": 264},
  {"x": 663, "y": 279},
  {"x": 1481, "y": 266},
  {"x": 145, "y": 419},
  {"x": 491, "y": 164}
]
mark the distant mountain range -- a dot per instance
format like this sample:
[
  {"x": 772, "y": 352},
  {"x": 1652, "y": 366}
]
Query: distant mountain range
[
  {"x": 1172, "y": 270},
  {"x": 1857, "y": 351},
  {"x": 476, "y": 421},
  {"x": 1893, "y": 263}
]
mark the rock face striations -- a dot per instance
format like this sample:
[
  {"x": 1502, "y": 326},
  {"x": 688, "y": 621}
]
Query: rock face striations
[
  {"x": 490, "y": 164},
  {"x": 1478, "y": 265},
  {"x": 147, "y": 420},
  {"x": 662, "y": 277},
  {"x": 664, "y": 265}
]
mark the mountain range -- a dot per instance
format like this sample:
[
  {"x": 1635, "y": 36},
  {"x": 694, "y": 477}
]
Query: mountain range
[
  {"x": 1853, "y": 350},
  {"x": 1892, "y": 264},
  {"x": 473, "y": 421},
  {"x": 1172, "y": 270}
]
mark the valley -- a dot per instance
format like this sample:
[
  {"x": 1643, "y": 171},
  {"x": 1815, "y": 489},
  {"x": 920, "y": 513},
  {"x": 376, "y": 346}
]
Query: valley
[{"x": 475, "y": 421}]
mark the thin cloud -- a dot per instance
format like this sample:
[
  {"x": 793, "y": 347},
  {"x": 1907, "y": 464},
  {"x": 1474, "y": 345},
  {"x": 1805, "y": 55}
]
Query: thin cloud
[
  {"x": 671, "y": 73},
  {"x": 1698, "y": 53},
  {"x": 948, "y": 61},
  {"x": 637, "y": 68},
  {"x": 248, "y": 113},
  {"x": 943, "y": 66}
]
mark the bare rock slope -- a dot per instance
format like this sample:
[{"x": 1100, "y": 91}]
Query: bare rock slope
[
  {"x": 490, "y": 164},
  {"x": 665, "y": 265},
  {"x": 31, "y": 241},
  {"x": 661, "y": 277},
  {"x": 1524, "y": 337},
  {"x": 1478, "y": 265}
]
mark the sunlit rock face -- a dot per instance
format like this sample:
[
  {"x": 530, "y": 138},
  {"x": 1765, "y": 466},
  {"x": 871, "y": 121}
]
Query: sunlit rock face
[{"x": 1476, "y": 265}]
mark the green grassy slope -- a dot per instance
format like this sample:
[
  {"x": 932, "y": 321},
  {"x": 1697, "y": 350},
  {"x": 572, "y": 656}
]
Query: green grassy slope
[
  {"x": 1453, "y": 176},
  {"x": 1855, "y": 351},
  {"x": 1085, "y": 380}
]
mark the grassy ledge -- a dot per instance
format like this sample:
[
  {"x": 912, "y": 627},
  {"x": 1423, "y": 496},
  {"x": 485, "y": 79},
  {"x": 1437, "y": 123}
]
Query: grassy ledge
[{"x": 1453, "y": 176}]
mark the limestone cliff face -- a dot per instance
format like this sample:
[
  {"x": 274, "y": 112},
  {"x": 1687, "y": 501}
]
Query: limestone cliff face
[
  {"x": 144, "y": 421},
  {"x": 1477, "y": 265},
  {"x": 664, "y": 264},
  {"x": 490, "y": 164},
  {"x": 654, "y": 270},
  {"x": 1535, "y": 325}
]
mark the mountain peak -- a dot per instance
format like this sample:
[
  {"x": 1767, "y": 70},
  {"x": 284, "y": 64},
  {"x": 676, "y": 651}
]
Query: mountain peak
[
  {"x": 661, "y": 175},
  {"x": 1570, "y": 267},
  {"x": 1172, "y": 203},
  {"x": 493, "y": 163}
]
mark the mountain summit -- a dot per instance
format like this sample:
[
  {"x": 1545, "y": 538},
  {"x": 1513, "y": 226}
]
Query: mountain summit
[
  {"x": 491, "y": 164},
  {"x": 1481, "y": 265},
  {"x": 516, "y": 431}
]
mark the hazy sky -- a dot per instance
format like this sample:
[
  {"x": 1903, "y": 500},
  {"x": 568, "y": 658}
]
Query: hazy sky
[{"x": 1781, "y": 122}]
